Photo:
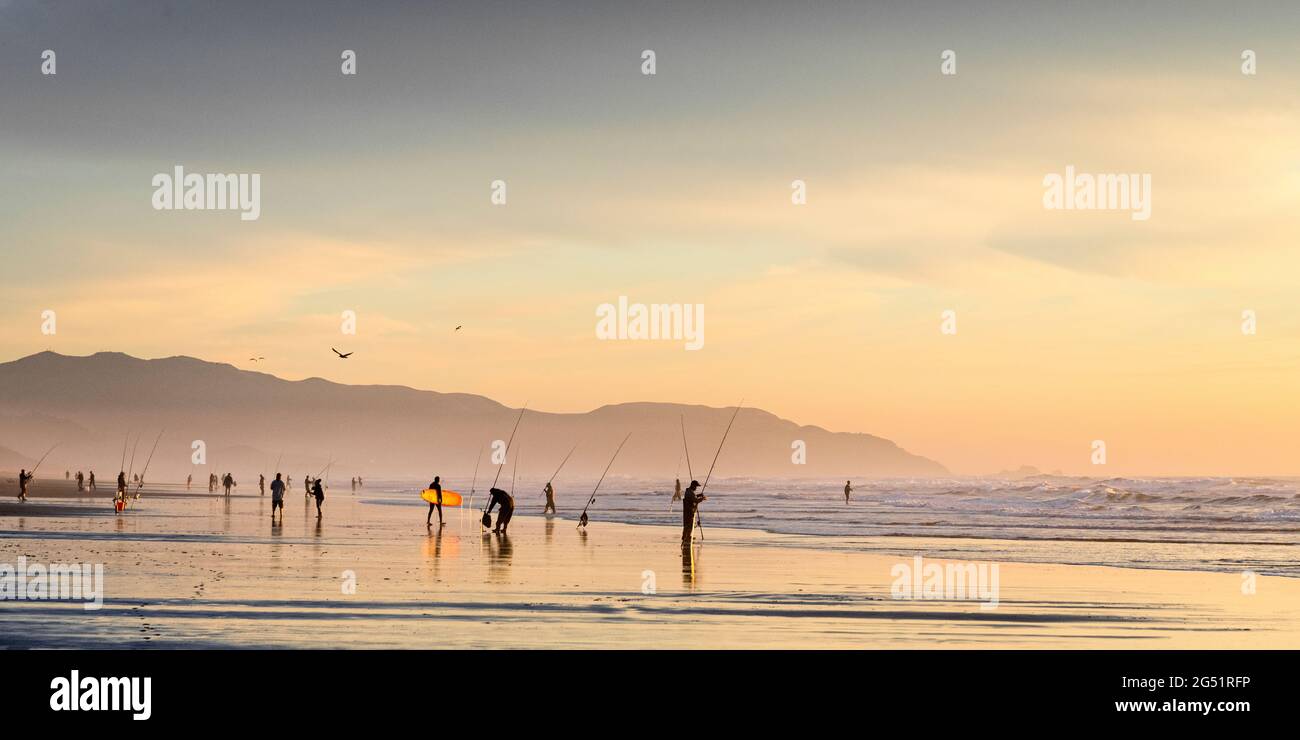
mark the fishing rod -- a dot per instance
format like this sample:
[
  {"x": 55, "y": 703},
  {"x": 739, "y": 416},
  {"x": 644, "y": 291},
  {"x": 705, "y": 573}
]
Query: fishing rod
[
  {"x": 131, "y": 470},
  {"x": 513, "y": 473},
  {"x": 686, "y": 449},
  {"x": 508, "y": 443},
  {"x": 146, "y": 463},
  {"x": 125, "y": 439},
  {"x": 38, "y": 462},
  {"x": 277, "y": 462},
  {"x": 473, "y": 481},
  {"x": 582, "y": 521},
  {"x": 562, "y": 462},
  {"x": 727, "y": 431}
]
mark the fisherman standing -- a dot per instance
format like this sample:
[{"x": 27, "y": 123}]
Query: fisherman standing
[
  {"x": 261, "y": 483},
  {"x": 81, "y": 482},
  {"x": 277, "y": 497},
  {"x": 228, "y": 482},
  {"x": 319, "y": 493},
  {"x": 848, "y": 488},
  {"x": 550, "y": 498},
  {"x": 436, "y": 487},
  {"x": 677, "y": 490},
  {"x": 188, "y": 480},
  {"x": 92, "y": 480},
  {"x": 24, "y": 478},
  {"x": 690, "y": 503},
  {"x": 507, "y": 504}
]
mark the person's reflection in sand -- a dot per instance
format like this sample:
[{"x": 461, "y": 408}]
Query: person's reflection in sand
[
  {"x": 550, "y": 529},
  {"x": 582, "y": 536},
  {"x": 318, "y": 528},
  {"x": 500, "y": 552},
  {"x": 688, "y": 566}
]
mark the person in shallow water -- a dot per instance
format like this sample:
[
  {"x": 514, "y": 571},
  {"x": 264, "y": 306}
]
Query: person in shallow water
[
  {"x": 24, "y": 478},
  {"x": 277, "y": 497},
  {"x": 319, "y": 493},
  {"x": 550, "y": 498},
  {"x": 848, "y": 488},
  {"x": 690, "y": 503},
  {"x": 507, "y": 504},
  {"x": 677, "y": 490},
  {"x": 436, "y": 487}
]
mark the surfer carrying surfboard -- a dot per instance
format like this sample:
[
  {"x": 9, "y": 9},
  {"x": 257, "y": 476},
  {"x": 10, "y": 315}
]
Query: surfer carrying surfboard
[{"x": 436, "y": 487}]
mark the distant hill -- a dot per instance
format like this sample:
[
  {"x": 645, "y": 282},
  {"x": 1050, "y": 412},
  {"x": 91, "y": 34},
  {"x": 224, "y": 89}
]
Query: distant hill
[{"x": 248, "y": 419}]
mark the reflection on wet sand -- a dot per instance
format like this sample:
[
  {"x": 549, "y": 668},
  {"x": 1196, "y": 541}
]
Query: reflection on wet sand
[
  {"x": 689, "y": 557},
  {"x": 550, "y": 529},
  {"x": 500, "y": 552}
]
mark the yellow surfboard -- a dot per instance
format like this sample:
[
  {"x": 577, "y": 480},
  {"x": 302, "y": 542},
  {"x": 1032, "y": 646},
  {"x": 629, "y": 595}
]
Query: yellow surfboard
[{"x": 449, "y": 498}]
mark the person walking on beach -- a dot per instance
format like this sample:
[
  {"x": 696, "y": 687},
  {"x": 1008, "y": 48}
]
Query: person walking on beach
[
  {"x": 550, "y": 498},
  {"x": 81, "y": 482},
  {"x": 507, "y": 504},
  {"x": 306, "y": 485},
  {"x": 690, "y": 503},
  {"x": 319, "y": 493},
  {"x": 261, "y": 483},
  {"x": 24, "y": 478},
  {"x": 436, "y": 487},
  {"x": 188, "y": 480},
  {"x": 91, "y": 482},
  {"x": 848, "y": 488},
  {"x": 677, "y": 490},
  {"x": 354, "y": 484},
  {"x": 228, "y": 482},
  {"x": 277, "y": 497}
]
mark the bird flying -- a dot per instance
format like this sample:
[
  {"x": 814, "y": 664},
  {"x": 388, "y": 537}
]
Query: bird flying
[{"x": 341, "y": 355}]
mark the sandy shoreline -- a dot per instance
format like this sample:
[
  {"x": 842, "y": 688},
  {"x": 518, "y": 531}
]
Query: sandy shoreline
[{"x": 193, "y": 570}]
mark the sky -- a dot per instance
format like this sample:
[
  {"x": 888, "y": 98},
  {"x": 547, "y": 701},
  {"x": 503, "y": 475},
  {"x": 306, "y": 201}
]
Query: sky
[{"x": 924, "y": 195}]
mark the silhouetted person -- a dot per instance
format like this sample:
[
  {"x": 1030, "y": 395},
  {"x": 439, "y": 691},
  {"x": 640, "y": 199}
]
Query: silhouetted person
[
  {"x": 261, "y": 483},
  {"x": 306, "y": 486},
  {"x": 354, "y": 484},
  {"x": 228, "y": 483},
  {"x": 188, "y": 480},
  {"x": 691, "y": 501},
  {"x": 550, "y": 498},
  {"x": 677, "y": 490},
  {"x": 121, "y": 483},
  {"x": 24, "y": 478},
  {"x": 507, "y": 504},
  {"x": 436, "y": 487},
  {"x": 277, "y": 497},
  {"x": 91, "y": 482},
  {"x": 319, "y": 493},
  {"x": 848, "y": 488},
  {"x": 81, "y": 482}
]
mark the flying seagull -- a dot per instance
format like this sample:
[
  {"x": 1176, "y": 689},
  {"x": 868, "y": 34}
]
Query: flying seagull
[
  {"x": 341, "y": 355},
  {"x": 256, "y": 359},
  {"x": 458, "y": 328}
]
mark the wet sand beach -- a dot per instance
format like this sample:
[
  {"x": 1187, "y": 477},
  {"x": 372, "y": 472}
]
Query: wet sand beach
[{"x": 194, "y": 570}]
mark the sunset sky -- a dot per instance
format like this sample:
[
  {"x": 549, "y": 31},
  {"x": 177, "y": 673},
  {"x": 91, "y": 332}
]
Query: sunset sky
[{"x": 924, "y": 194}]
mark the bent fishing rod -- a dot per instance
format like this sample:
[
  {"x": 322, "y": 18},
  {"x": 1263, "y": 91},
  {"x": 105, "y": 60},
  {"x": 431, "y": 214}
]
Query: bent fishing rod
[
  {"x": 32, "y": 472},
  {"x": 582, "y": 521},
  {"x": 562, "y": 462},
  {"x": 727, "y": 431},
  {"x": 508, "y": 443},
  {"x": 140, "y": 484}
]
